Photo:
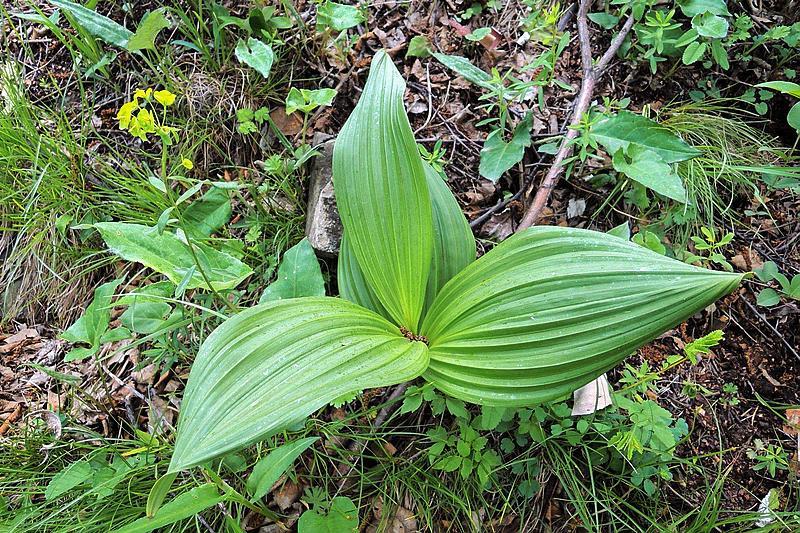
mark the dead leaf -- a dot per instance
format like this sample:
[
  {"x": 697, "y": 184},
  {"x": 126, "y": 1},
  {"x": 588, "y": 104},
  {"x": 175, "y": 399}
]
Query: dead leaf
[
  {"x": 591, "y": 397},
  {"x": 287, "y": 495},
  {"x": 792, "y": 426},
  {"x": 289, "y": 125}
]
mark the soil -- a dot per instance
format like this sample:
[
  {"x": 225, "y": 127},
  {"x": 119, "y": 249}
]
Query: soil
[{"x": 759, "y": 353}]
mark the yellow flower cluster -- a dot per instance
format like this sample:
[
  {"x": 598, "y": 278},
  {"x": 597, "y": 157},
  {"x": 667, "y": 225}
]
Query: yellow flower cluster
[{"x": 139, "y": 121}]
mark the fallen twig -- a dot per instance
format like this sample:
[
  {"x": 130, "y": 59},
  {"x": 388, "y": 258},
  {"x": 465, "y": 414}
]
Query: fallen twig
[
  {"x": 770, "y": 326},
  {"x": 10, "y": 419},
  {"x": 591, "y": 73}
]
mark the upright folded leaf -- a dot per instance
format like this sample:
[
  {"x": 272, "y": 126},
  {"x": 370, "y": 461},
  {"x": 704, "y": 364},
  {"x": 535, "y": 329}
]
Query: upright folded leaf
[
  {"x": 453, "y": 241},
  {"x": 453, "y": 250},
  {"x": 277, "y": 363},
  {"x": 551, "y": 308},
  {"x": 382, "y": 195}
]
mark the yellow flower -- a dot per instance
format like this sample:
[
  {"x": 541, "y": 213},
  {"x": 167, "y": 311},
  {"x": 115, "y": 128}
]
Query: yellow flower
[
  {"x": 143, "y": 93},
  {"x": 164, "y": 97},
  {"x": 146, "y": 122},
  {"x": 187, "y": 164},
  {"x": 124, "y": 114}
]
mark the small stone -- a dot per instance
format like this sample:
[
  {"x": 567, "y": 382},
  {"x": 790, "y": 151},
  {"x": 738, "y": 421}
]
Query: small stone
[{"x": 323, "y": 225}]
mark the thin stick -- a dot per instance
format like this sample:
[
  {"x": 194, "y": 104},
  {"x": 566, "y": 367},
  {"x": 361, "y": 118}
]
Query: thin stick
[
  {"x": 771, "y": 327},
  {"x": 591, "y": 73}
]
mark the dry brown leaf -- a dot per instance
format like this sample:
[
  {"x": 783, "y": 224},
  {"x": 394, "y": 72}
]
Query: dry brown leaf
[
  {"x": 792, "y": 426},
  {"x": 287, "y": 495},
  {"x": 289, "y": 125}
]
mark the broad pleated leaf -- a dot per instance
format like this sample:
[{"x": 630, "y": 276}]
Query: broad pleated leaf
[
  {"x": 382, "y": 195},
  {"x": 352, "y": 284},
  {"x": 278, "y": 362},
  {"x": 551, "y": 308},
  {"x": 453, "y": 249},
  {"x": 453, "y": 242}
]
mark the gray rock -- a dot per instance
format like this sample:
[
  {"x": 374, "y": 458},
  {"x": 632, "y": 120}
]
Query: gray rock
[{"x": 323, "y": 225}]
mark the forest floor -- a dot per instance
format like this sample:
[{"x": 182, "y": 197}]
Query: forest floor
[{"x": 66, "y": 164}]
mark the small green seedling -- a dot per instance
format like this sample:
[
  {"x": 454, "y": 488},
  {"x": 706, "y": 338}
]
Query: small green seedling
[{"x": 788, "y": 289}]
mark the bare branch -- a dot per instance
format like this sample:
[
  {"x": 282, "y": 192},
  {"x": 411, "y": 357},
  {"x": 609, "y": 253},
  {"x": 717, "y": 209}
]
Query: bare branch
[{"x": 591, "y": 73}]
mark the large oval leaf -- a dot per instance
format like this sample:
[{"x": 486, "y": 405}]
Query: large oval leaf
[
  {"x": 169, "y": 255},
  {"x": 453, "y": 249},
  {"x": 552, "y": 308},
  {"x": 278, "y": 362},
  {"x": 382, "y": 195}
]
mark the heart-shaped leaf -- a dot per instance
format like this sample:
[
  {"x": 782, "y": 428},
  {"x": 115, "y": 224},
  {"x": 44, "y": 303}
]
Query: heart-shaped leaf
[
  {"x": 255, "y": 54},
  {"x": 299, "y": 275}
]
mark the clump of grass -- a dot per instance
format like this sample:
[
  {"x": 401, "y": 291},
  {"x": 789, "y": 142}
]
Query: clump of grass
[{"x": 734, "y": 157}]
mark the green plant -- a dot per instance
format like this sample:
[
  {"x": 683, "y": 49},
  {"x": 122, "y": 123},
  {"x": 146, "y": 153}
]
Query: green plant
[
  {"x": 505, "y": 145},
  {"x": 709, "y": 249},
  {"x": 792, "y": 89},
  {"x": 769, "y": 296},
  {"x": 285, "y": 359},
  {"x": 435, "y": 158},
  {"x": 306, "y": 101},
  {"x": 90, "y": 24},
  {"x": 730, "y": 395},
  {"x": 249, "y": 121},
  {"x": 768, "y": 457}
]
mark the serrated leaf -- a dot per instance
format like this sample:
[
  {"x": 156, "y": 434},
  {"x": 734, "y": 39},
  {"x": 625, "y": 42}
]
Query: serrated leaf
[
  {"x": 647, "y": 168},
  {"x": 270, "y": 468},
  {"x": 497, "y": 156},
  {"x": 626, "y": 128},
  {"x": 383, "y": 197},
  {"x": 278, "y": 362},
  {"x": 170, "y": 256},
  {"x": 95, "y": 23},
  {"x": 298, "y": 275},
  {"x": 552, "y": 308},
  {"x": 255, "y": 54},
  {"x": 183, "y": 506},
  {"x": 147, "y": 31},
  {"x": 710, "y": 25}
]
